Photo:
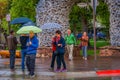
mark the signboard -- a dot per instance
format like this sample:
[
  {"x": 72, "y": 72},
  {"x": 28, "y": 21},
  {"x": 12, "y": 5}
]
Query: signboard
[{"x": 8, "y": 17}]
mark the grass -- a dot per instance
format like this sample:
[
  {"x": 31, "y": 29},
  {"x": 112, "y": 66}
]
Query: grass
[
  {"x": 99, "y": 43},
  {"x": 90, "y": 52}
]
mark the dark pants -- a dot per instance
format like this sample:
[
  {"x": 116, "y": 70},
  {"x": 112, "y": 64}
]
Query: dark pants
[
  {"x": 53, "y": 59},
  {"x": 60, "y": 59},
  {"x": 30, "y": 63},
  {"x": 23, "y": 54},
  {"x": 12, "y": 58}
]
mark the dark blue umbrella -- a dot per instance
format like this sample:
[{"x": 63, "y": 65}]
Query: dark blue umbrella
[
  {"x": 20, "y": 20},
  {"x": 27, "y": 24}
]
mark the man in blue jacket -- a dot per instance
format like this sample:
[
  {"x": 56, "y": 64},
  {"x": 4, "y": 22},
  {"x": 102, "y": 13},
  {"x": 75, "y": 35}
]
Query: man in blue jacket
[{"x": 32, "y": 45}]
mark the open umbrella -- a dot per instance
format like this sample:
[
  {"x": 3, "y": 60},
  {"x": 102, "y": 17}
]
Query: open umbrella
[
  {"x": 27, "y": 29},
  {"x": 50, "y": 26},
  {"x": 20, "y": 20},
  {"x": 29, "y": 24}
]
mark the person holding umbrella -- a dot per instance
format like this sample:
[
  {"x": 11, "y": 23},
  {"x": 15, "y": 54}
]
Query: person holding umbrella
[
  {"x": 23, "y": 41},
  {"x": 32, "y": 45}
]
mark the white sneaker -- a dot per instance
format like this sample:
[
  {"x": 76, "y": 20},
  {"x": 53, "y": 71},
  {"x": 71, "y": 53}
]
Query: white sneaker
[{"x": 85, "y": 58}]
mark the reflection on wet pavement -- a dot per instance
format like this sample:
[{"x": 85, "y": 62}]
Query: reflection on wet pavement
[{"x": 78, "y": 69}]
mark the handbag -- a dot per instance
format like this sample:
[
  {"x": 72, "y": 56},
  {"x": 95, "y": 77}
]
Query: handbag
[
  {"x": 80, "y": 45},
  {"x": 56, "y": 52}
]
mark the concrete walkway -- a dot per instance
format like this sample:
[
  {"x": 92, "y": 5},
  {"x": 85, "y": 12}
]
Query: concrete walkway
[{"x": 78, "y": 69}]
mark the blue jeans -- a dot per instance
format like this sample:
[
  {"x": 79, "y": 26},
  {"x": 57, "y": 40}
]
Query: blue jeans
[
  {"x": 12, "y": 58},
  {"x": 30, "y": 63},
  {"x": 23, "y": 54},
  {"x": 84, "y": 51},
  {"x": 53, "y": 59},
  {"x": 60, "y": 59}
]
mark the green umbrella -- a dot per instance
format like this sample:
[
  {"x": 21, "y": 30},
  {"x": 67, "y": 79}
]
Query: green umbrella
[{"x": 27, "y": 29}]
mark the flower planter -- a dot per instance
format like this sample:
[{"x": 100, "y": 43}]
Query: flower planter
[{"x": 6, "y": 54}]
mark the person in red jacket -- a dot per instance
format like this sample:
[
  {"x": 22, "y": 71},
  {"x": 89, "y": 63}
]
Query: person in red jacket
[{"x": 53, "y": 55}]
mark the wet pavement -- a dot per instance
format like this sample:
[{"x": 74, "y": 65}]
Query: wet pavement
[{"x": 78, "y": 69}]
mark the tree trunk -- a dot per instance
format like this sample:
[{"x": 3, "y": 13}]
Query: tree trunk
[
  {"x": 84, "y": 24},
  {"x": 74, "y": 30}
]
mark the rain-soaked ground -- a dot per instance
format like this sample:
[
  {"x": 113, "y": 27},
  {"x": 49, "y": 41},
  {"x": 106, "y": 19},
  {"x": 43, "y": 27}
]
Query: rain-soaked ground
[{"x": 78, "y": 69}]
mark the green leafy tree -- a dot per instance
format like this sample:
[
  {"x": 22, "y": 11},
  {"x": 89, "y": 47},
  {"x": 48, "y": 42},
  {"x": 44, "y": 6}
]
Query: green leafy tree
[
  {"x": 86, "y": 17},
  {"x": 23, "y": 8},
  {"x": 3, "y": 8},
  {"x": 74, "y": 17},
  {"x": 80, "y": 18},
  {"x": 83, "y": 15},
  {"x": 103, "y": 14},
  {"x": 3, "y": 12}
]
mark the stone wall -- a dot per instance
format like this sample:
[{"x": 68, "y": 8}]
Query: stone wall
[
  {"x": 109, "y": 51},
  {"x": 114, "y": 6},
  {"x": 56, "y": 11}
]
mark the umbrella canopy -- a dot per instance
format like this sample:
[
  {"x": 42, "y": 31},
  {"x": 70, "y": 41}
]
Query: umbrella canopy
[
  {"x": 50, "y": 26},
  {"x": 20, "y": 20},
  {"x": 27, "y": 29},
  {"x": 29, "y": 24}
]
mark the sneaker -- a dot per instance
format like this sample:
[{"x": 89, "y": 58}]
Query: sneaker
[
  {"x": 85, "y": 58},
  {"x": 57, "y": 70},
  {"x": 51, "y": 69},
  {"x": 12, "y": 70},
  {"x": 64, "y": 70},
  {"x": 28, "y": 74},
  {"x": 32, "y": 76}
]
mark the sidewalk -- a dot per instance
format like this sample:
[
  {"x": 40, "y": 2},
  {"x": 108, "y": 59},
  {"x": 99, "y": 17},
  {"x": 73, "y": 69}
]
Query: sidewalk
[{"x": 78, "y": 69}]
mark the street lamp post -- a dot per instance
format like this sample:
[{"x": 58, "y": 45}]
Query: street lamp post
[
  {"x": 94, "y": 28},
  {"x": 8, "y": 20},
  {"x": 94, "y": 5}
]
